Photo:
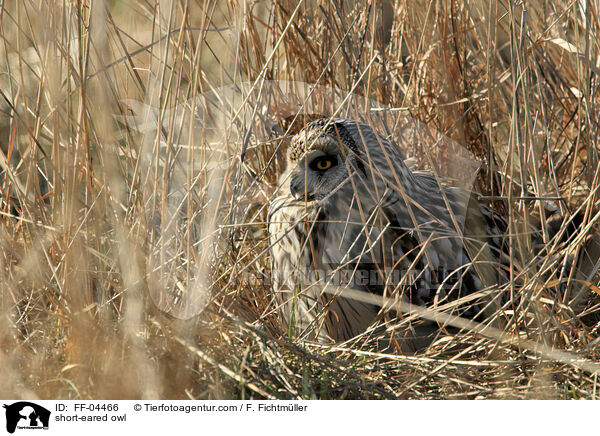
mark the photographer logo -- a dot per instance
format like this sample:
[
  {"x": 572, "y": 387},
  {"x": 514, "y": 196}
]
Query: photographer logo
[{"x": 26, "y": 415}]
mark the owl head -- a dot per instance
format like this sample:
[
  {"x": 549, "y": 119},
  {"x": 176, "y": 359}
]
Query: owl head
[{"x": 324, "y": 155}]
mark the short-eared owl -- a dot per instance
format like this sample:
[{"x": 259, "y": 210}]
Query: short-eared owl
[{"x": 351, "y": 214}]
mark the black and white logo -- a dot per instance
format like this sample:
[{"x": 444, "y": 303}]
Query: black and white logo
[{"x": 26, "y": 415}]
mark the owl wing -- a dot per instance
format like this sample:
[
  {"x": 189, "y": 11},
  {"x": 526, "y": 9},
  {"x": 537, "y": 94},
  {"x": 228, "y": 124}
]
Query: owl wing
[{"x": 445, "y": 242}]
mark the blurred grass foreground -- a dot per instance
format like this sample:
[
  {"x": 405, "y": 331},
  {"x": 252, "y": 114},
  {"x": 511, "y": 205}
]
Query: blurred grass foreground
[{"x": 140, "y": 145}]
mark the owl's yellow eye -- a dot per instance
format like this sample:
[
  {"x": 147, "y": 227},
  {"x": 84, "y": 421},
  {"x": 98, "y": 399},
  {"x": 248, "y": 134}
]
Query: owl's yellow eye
[{"x": 323, "y": 163}]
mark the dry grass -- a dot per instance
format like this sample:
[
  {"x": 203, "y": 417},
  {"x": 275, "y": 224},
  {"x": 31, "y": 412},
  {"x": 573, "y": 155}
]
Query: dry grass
[{"x": 138, "y": 158}]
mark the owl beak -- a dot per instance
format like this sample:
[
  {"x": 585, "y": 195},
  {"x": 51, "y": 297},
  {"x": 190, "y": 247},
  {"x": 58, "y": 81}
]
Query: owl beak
[{"x": 298, "y": 192}]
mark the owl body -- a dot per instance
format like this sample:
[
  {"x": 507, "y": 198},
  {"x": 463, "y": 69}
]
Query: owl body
[{"x": 351, "y": 215}]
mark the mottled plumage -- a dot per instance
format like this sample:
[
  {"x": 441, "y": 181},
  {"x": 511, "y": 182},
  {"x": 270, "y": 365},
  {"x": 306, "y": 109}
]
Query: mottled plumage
[{"x": 350, "y": 213}]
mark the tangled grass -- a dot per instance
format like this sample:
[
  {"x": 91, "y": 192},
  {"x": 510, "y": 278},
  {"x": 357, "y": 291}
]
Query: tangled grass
[{"x": 141, "y": 143}]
